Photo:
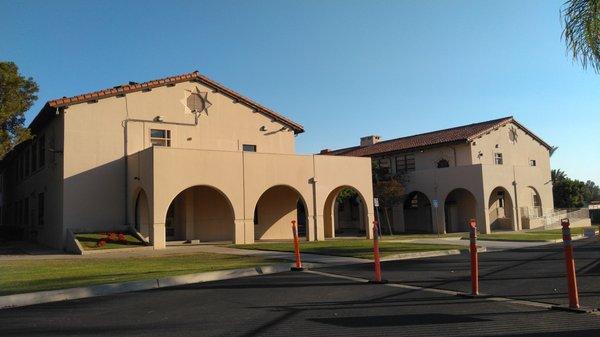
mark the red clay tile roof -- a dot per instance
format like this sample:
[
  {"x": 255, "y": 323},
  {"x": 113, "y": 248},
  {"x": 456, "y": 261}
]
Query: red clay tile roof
[
  {"x": 193, "y": 76},
  {"x": 458, "y": 134}
]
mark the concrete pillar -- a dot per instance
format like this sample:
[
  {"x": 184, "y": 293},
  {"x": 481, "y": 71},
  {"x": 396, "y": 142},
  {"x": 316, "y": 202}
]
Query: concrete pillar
[
  {"x": 320, "y": 227},
  {"x": 483, "y": 221},
  {"x": 310, "y": 228},
  {"x": 189, "y": 213},
  {"x": 244, "y": 231},
  {"x": 158, "y": 236}
]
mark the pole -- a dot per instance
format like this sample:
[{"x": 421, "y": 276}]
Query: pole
[
  {"x": 376, "y": 258},
  {"x": 570, "y": 264},
  {"x": 298, "y": 266},
  {"x": 474, "y": 258}
]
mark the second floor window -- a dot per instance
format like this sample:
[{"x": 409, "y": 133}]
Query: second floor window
[
  {"x": 249, "y": 148},
  {"x": 384, "y": 165},
  {"x": 443, "y": 163},
  {"x": 532, "y": 162},
  {"x": 405, "y": 163},
  {"x": 498, "y": 159},
  {"x": 160, "y": 137}
]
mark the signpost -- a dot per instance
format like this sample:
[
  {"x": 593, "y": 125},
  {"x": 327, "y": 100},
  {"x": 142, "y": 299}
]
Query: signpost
[{"x": 435, "y": 203}]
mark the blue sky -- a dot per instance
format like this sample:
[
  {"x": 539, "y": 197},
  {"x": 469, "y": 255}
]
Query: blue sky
[{"x": 343, "y": 69}]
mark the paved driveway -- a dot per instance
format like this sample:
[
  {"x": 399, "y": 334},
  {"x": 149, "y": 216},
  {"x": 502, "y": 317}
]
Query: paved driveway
[{"x": 534, "y": 273}]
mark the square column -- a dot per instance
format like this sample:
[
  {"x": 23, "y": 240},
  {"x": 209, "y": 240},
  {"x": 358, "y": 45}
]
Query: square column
[
  {"x": 244, "y": 231},
  {"x": 158, "y": 236},
  {"x": 320, "y": 228},
  {"x": 369, "y": 225}
]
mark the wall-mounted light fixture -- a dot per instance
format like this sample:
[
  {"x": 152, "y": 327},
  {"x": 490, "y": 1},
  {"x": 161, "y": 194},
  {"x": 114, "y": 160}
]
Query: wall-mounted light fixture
[
  {"x": 263, "y": 128},
  {"x": 159, "y": 118}
]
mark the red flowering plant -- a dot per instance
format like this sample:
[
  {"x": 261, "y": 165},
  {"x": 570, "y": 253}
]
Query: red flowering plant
[
  {"x": 122, "y": 238},
  {"x": 101, "y": 243},
  {"x": 112, "y": 236}
]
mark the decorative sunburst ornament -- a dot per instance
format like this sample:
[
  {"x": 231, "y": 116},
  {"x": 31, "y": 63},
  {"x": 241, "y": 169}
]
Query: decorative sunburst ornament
[
  {"x": 198, "y": 102},
  {"x": 512, "y": 134}
]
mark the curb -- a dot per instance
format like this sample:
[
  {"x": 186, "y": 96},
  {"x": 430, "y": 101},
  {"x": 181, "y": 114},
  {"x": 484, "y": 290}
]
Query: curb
[
  {"x": 418, "y": 255},
  {"x": 20, "y": 300}
]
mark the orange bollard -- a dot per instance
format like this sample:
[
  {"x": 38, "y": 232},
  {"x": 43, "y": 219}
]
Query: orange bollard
[
  {"x": 570, "y": 264},
  {"x": 376, "y": 258},
  {"x": 298, "y": 266},
  {"x": 474, "y": 258}
]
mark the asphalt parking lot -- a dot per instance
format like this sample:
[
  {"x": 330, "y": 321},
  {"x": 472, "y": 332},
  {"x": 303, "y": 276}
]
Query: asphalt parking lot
[{"x": 310, "y": 303}]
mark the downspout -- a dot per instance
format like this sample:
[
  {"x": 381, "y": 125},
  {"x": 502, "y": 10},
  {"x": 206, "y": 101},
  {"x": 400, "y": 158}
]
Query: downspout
[{"x": 518, "y": 218}]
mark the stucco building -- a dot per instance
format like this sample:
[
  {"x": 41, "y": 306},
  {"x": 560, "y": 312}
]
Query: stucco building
[
  {"x": 497, "y": 172},
  {"x": 180, "y": 158}
]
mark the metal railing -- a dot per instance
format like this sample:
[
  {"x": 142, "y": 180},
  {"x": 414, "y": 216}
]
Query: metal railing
[{"x": 552, "y": 220}]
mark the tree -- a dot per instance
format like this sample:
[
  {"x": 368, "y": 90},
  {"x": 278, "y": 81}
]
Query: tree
[
  {"x": 592, "y": 191},
  {"x": 390, "y": 193},
  {"x": 557, "y": 175},
  {"x": 571, "y": 193},
  {"x": 581, "y": 32},
  {"x": 17, "y": 95}
]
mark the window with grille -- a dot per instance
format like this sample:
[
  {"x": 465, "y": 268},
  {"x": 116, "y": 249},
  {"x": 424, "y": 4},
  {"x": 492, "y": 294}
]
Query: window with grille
[
  {"x": 384, "y": 165},
  {"x": 160, "y": 137},
  {"x": 405, "y": 163},
  {"x": 498, "y": 159}
]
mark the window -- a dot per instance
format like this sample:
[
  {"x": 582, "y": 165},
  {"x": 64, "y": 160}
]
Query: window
[
  {"x": 443, "y": 163},
  {"x": 405, "y": 163},
  {"x": 27, "y": 156},
  {"x": 40, "y": 209},
  {"x": 498, "y": 159},
  {"x": 160, "y": 137},
  {"x": 26, "y": 212},
  {"x": 500, "y": 199},
  {"x": 41, "y": 148},
  {"x": 384, "y": 165},
  {"x": 532, "y": 162},
  {"x": 34, "y": 156},
  {"x": 249, "y": 148}
]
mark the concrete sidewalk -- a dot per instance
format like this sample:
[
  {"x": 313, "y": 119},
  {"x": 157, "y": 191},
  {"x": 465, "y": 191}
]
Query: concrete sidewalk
[{"x": 489, "y": 245}]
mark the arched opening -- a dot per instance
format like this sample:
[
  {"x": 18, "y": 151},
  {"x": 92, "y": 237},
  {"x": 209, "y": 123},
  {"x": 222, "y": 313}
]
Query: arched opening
[
  {"x": 142, "y": 214},
  {"x": 460, "y": 206},
  {"x": 442, "y": 163},
  {"x": 274, "y": 212},
  {"x": 345, "y": 213},
  {"x": 200, "y": 213},
  {"x": 532, "y": 203},
  {"x": 500, "y": 210},
  {"x": 417, "y": 213}
]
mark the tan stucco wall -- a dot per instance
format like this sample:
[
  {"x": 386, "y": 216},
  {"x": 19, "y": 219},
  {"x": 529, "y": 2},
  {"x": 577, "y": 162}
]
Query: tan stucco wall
[
  {"x": 244, "y": 177},
  {"x": 276, "y": 210},
  {"x": 47, "y": 180},
  {"x": 99, "y": 135},
  {"x": 480, "y": 176}
]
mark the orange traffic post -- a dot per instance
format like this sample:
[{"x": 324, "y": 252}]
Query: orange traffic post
[
  {"x": 298, "y": 266},
  {"x": 474, "y": 258},
  {"x": 376, "y": 258},
  {"x": 570, "y": 264}
]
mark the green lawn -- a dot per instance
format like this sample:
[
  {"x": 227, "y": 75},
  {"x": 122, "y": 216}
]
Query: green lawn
[
  {"x": 89, "y": 241},
  {"x": 19, "y": 276},
  {"x": 360, "y": 248},
  {"x": 531, "y": 235}
]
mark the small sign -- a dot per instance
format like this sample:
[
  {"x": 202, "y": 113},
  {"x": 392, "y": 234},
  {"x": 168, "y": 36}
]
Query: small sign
[
  {"x": 376, "y": 202},
  {"x": 435, "y": 203}
]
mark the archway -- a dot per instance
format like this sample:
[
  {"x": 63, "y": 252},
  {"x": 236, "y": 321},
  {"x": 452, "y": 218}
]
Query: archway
[
  {"x": 345, "y": 213},
  {"x": 142, "y": 214},
  {"x": 417, "y": 213},
  {"x": 500, "y": 210},
  {"x": 459, "y": 207},
  {"x": 275, "y": 210},
  {"x": 200, "y": 213},
  {"x": 532, "y": 203}
]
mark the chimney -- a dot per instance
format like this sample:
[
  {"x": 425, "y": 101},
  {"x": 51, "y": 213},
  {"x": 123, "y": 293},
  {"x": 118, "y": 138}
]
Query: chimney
[
  {"x": 369, "y": 140},
  {"x": 325, "y": 151}
]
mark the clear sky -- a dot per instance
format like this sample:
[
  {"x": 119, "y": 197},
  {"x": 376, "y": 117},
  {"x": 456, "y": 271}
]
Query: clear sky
[{"x": 344, "y": 69}]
